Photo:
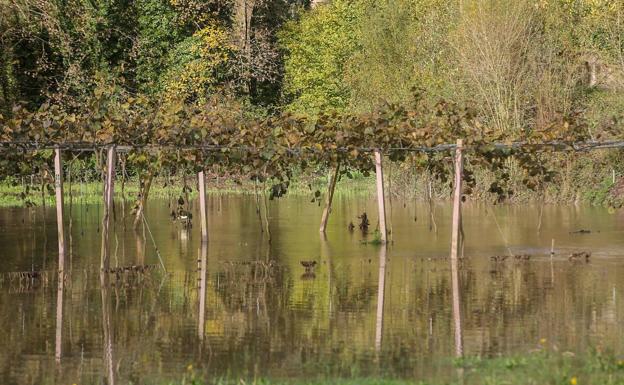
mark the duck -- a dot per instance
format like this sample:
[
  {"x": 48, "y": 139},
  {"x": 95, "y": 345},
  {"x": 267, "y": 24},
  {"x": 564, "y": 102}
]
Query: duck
[
  {"x": 580, "y": 255},
  {"x": 523, "y": 257},
  {"x": 581, "y": 231},
  {"x": 308, "y": 264},
  {"x": 499, "y": 258},
  {"x": 364, "y": 222},
  {"x": 351, "y": 226}
]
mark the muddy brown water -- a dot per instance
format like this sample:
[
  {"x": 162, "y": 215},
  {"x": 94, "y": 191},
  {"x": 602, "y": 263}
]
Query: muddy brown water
[{"x": 263, "y": 315}]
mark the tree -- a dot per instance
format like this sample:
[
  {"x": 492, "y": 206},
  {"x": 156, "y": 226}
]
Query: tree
[
  {"x": 318, "y": 47},
  {"x": 404, "y": 44},
  {"x": 200, "y": 66}
]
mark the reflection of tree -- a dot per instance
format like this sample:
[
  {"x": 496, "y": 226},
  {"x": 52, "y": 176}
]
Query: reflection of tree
[
  {"x": 354, "y": 299},
  {"x": 500, "y": 311},
  {"x": 242, "y": 283}
]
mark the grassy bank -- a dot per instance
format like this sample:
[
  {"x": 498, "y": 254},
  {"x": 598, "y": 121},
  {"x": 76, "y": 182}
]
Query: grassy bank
[
  {"x": 589, "y": 181},
  {"x": 540, "y": 367},
  {"x": 15, "y": 194}
]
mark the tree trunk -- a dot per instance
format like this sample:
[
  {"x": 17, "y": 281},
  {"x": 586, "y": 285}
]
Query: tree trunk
[
  {"x": 243, "y": 12},
  {"x": 330, "y": 198},
  {"x": 143, "y": 199}
]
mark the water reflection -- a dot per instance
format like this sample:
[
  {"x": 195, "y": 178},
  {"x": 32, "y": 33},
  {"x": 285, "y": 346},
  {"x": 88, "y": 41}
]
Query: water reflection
[
  {"x": 58, "y": 340},
  {"x": 381, "y": 289},
  {"x": 107, "y": 332},
  {"x": 457, "y": 316},
  {"x": 202, "y": 290},
  {"x": 260, "y": 315}
]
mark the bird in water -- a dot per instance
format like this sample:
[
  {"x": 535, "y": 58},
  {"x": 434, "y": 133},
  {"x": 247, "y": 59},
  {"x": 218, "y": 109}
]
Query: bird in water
[
  {"x": 580, "y": 256},
  {"x": 581, "y": 231},
  {"x": 523, "y": 257},
  {"x": 499, "y": 258},
  {"x": 364, "y": 222},
  {"x": 351, "y": 226},
  {"x": 309, "y": 265}
]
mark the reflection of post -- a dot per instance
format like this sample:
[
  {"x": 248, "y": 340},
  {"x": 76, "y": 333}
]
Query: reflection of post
[
  {"x": 457, "y": 319},
  {"x": 59, "y": 319},
  {"x": 381, "y": 288},
  {"x": 326, "y": 257},
  {"x": 106, "y": 328},
  {"x": 202, "y": 290},
  {"x": 108, "y": 208},
  {"x": 381, "y": 204},
  {"x": 552, "y": 269}
]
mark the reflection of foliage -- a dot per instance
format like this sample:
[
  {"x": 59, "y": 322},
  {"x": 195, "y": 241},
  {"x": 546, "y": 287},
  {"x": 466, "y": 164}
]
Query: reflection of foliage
[
  {"x": 354, "y": 298},
  {"x": 240, "y": 279}
]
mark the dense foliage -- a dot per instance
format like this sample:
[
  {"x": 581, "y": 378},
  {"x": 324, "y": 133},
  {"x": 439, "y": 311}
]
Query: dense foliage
[{"x": 219, "y": 136}]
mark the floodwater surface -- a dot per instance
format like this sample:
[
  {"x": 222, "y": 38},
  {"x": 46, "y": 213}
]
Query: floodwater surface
[{"x": 246, "y": 307}]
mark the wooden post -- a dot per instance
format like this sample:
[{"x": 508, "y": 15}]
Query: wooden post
[
  {"x": 381, "y": 203},
  {"x": 108, "y": 208},
  {"x": 459, "y": 168},
  {"x": 455, "y": 240},
  {"x": 58, "y": 187},
  {"x": 203, "y": 213},
  {"x": 330, "y": 197}
]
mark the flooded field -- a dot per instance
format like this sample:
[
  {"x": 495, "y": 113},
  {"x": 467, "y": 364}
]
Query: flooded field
[{"x": 247, "y": 308}]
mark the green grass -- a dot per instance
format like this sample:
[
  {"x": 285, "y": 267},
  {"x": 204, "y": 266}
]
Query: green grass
[
  {"x": 404, "y": 183},
  {"x": 541, "y": 367},
  {"x": 91, "y": 192}
]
